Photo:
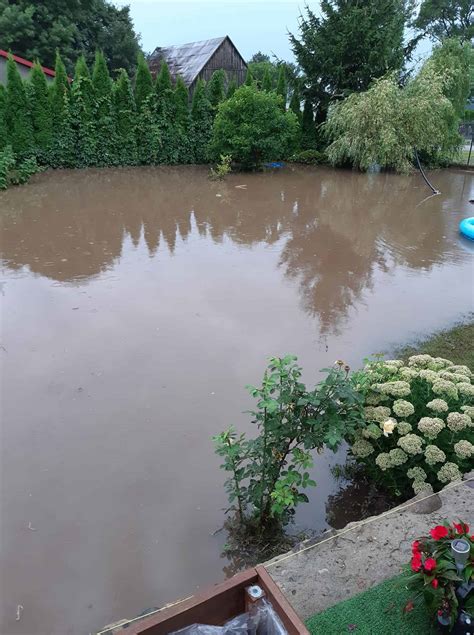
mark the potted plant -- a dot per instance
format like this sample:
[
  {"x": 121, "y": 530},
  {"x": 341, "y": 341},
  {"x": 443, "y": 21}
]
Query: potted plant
[{"x": 442, "y": 572}]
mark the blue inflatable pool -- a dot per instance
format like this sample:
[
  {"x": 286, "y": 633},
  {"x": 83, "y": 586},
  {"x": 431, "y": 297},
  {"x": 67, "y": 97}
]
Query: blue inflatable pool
[{"x": 466, "y": 227}]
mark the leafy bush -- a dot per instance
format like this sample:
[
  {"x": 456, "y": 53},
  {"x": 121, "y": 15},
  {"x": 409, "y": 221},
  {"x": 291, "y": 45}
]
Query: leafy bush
[
  {"x": 223, "y": 168},
  {"x": 252, "y": 128},
  {"x": 13, "y": 172},
  {"x": 418, "y": 433},
  {"x": 269, "y": 472},
  {"x": 309, "y": 157}
]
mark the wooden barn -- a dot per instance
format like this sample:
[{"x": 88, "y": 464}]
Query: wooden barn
[{"x": 198, "y": 60}]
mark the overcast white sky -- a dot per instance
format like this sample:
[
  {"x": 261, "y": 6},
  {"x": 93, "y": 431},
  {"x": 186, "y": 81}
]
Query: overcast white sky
[{"x": 256, "y": 25}]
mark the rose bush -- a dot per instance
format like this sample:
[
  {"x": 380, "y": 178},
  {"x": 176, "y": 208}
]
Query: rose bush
[
  {"x": 433, "y": 573},
  {"x": 418, "y": 430}
]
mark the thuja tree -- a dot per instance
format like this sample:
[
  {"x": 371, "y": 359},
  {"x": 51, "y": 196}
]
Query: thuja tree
[
  {"x": 3, "y": 123},
  {"x": 308, "y": 129},
  {"x": 40, "y": 112},
  {"x": 17, "y": 112},
  {"x": 124, "y": 112},
  {"x": 83, "y": 115},
  {"x": 267, "y": 83},
  {"x": 103, "y": 112},
  {"x": 147, "y": 132},
  {"x": 281, "y": 88},
  {"x": 62, "y": 147},
  {"x": 231, "y": 88},
  {"x": 165, "y": 117},
  {"x": 269, "y": 472},
  {"x": 201, "y": 126},
  {"x": 216, "y": 88},
  {"x": 183, "y": 122}
]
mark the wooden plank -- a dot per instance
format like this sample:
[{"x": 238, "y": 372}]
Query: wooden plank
[
  {"x": 286, "y": 612},
  {"x": 214, "y": 606}
]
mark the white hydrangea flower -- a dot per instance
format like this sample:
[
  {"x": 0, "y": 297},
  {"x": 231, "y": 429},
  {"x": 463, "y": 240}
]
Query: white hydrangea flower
[
  {"x": 416, "y": 473},
  {"x": 408, "y": 373},
  {"x": 459, "y": 368},
  {"x": 433, "y": 455},
  {"x": 456, "y": 378},
  {"x": 397, "y": 363},
  {"x": 468, "y": 410},
  {"x": 374, "y": 399},
  {"x": 421, "y": 361},
  {"x": 465, "y": 389},
  {"x": 439, "y": 363},
  {"x": 422, "y": 486},
  {"x": 383, "y": 461},
  {"x": 449, "y": 472},
  {"x": 438, "y": 405},
  {"x": 362, "y": 448},
  {"x": 397, "y": 456},
  {"x": 458, "y": 421},
  {"x": 403, "y": 408},
  {"x": 377, "y": 413},
  {"x": 372, "y": 431},
  {"x": 464, "y": 449},
  {"x": 431, "y": 426},
  {"x": 411, "y": 443},
  {"x": 393, "y": 388},
  {"x": 428, "y": 375},
  {"x": 447, "y": 388},
  {"x": 403, "y": 427}
]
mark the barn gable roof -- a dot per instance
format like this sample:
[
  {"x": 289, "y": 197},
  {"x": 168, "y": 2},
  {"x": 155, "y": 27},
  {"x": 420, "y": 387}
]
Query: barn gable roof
[{"x": 187, "y": 60}]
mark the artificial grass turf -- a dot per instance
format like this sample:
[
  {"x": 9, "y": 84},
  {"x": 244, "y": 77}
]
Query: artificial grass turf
[{"x": 378, "y": 611}]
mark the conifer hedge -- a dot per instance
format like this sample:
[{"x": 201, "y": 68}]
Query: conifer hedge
[{"x": 96, "y": 120}]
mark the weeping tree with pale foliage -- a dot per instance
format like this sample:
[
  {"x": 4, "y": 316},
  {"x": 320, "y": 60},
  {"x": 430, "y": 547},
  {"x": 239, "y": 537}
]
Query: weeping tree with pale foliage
[{"x": 385, "y": 124}]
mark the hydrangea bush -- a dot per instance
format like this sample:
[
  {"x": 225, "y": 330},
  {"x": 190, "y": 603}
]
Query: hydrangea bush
[{"x": 418, "y": 433}]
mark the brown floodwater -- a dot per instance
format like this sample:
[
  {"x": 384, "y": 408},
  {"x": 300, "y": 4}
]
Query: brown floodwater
[{"x": 137, "y": 304}]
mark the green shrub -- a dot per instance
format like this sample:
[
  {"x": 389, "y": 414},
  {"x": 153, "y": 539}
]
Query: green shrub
[
  {"x": 17, "y": 112},
  {"x": 310, "y": 157},
  {"x": 14, "y": 172},
  {"x": 269, "y": 472},
  {"x": 418, "y": 432},
  {"x": 251, "y": 127},
  {"x": 222, "y": 169}
]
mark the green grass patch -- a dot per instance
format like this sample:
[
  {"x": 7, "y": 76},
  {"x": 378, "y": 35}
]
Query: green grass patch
[
  {"x": 378, "y": 611},
  {"x": 455, "y": 344}
]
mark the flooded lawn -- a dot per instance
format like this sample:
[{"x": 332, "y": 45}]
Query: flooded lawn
[{"x": 137, "y": 304}]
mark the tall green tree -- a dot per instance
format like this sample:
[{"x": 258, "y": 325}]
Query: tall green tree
[
  {"x": 3, "y": 123},
  {"x": 165, "y": 117},
  {"x": 216, "y": 88},
  {"x": 124, "y": 112},
  {"x": 231, "y": 88},
  {"x": 62, "y": 147},
  {"x": 103, "y": 112},
  {"x": 348, "y": 46},
  {"x": 143, "y": 82},
  {"x": 202, "y": 119},
  {"x": 40, "y": 111},
  {"x": 282, "y": 89},
  {"x": 295, "y": 102},
  {"x": 36, "y": 29},
  {"x": 83, "y": 114},
  {"x": 183, "y": 122},
  {"x": 308, "y": 130},
  {"x": 442, "y": 19},
  {"x": 267, "y": 83},
  {"x": 249, "y": 77},
  {"x": 20, "y": 131}
]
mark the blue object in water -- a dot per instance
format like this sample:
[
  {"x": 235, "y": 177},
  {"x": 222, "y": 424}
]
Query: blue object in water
[
  {"x": 274, "y": 164},
  {"x": 466, "y": 227}
]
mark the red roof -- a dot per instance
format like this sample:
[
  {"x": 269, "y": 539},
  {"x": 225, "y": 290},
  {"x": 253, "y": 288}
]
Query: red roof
[{"x": 20, "y": 60}]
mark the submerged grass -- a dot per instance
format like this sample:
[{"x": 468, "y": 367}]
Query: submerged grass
[
  {"x": 456, "y": 344},
  {"x": 378, "y": 610}
]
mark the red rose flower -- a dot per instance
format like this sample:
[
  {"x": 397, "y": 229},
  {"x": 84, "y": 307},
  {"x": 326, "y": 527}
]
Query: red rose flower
[
  {"x": 461, "y": 528},
  {"x": 430, "y": 564},
  {"x": 434, "y": 583},
  {"x": 415, "y": 547},
  {"x": 416, "y": 562},
  {"x": 438, "y": 532}
]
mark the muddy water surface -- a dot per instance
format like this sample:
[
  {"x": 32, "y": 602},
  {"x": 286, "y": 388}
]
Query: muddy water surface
[{"x": 136, "y": 306}]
